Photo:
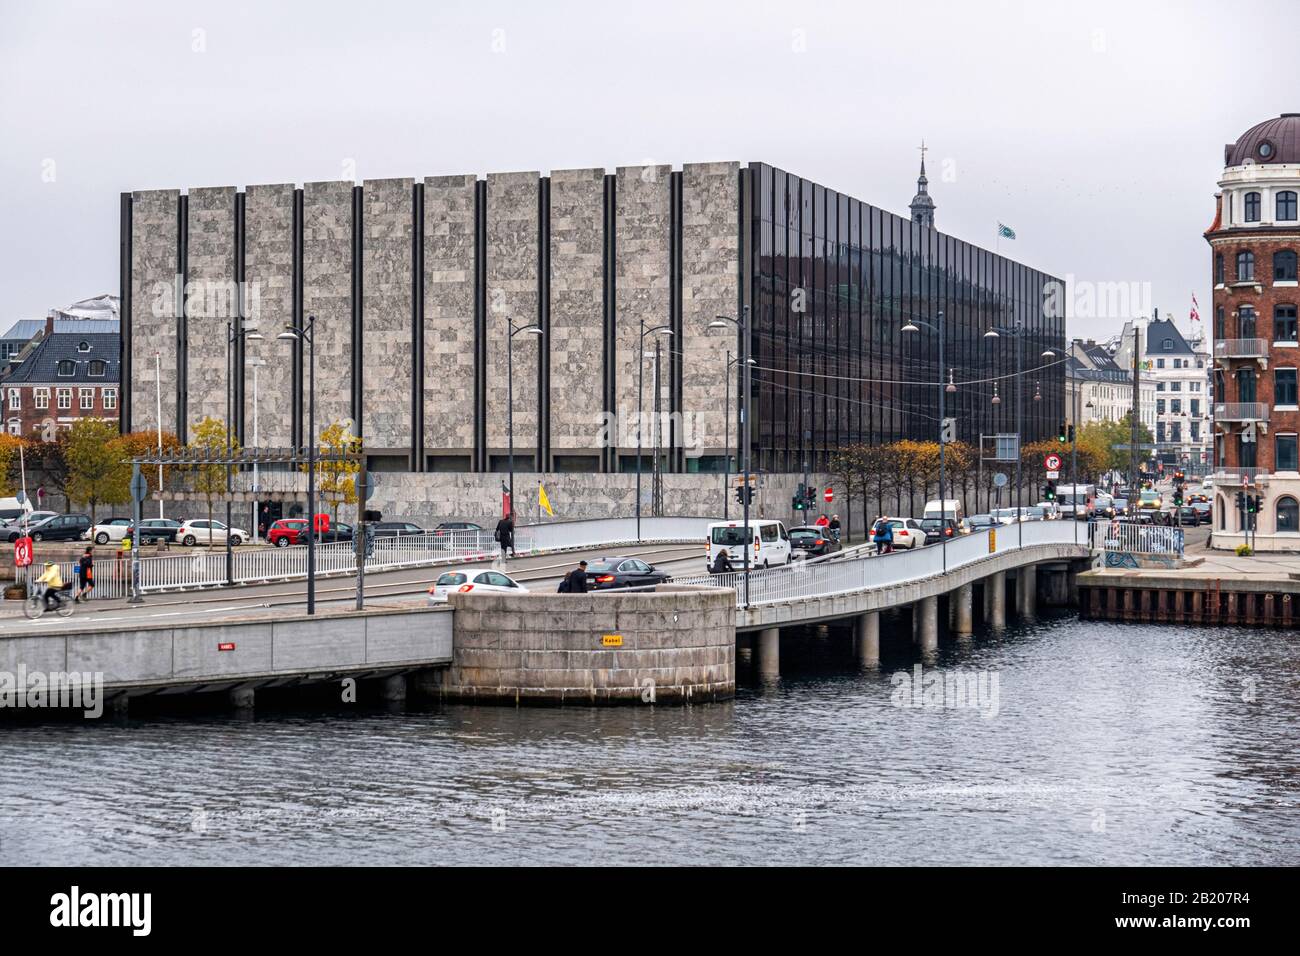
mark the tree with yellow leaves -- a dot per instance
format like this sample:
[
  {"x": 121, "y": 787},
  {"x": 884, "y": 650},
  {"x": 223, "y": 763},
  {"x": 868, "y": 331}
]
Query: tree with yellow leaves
[{"x": 336, "y": 481}]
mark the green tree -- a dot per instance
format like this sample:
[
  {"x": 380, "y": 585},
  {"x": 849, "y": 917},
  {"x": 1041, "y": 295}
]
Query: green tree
[
  {"x": 211, "y": 481},
  {"x": 47, "y": 464},
  {"x": 97, "y": 469},
  {"x": 337, "y": 480}
]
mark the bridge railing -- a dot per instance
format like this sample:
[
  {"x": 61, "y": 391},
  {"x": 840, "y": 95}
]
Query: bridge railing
[
  {"x": 1137, "y": 538},
  {"x": 806, "y": 580}
]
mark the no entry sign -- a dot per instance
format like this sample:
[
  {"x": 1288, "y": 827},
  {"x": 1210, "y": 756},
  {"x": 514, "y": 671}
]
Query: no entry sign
[{"x": 1052, "y": 463}]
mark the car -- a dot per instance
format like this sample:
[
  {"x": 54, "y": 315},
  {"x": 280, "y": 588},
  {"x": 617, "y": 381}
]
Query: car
[
  {"x": 339, "y": 531},
  {"x": 1050, "y": 510},
  {"x": 1150, "y": 500},
  {"x": 982, "y": 522},
  {"x": 203, "y": 531},
  {"x": 55, "y": 528},
  {"x": 394, "y": 529},
  {"x": 158, "y": 529},
  {"x": 451, "y": 534},
  {"x": 908, "y": 533},
  {"x": 16, "y": 523},
  {"x": 936, "y": 529},
  {"x": 604, "y": 574},
  {"x": 1191, "y": 515},
  {"x": 1207, "y": 483},
  {"x": 286, "y": 531},
  {"x": 448, "y": 527},
  {"x": 809, "y": 541},
  {"x": 472, "y": 579},
  {"x": 114, "y": 529},
  {"x": 768, "y": 545},
  {"x": 1197, "y": 499},
  {"x": 1138, "y": 517},
  {"x": 1036, "y": 513},
  {"x": 1008, "y": 515}
]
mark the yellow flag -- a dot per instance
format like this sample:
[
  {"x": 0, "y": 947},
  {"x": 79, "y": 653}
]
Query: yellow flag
[{"x": 542, "y": 501}]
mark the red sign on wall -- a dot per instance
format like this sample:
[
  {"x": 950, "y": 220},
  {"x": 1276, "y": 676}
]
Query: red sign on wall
[
  {"x": 830, "y": 495},
  {"x": 22, "y": 552}
]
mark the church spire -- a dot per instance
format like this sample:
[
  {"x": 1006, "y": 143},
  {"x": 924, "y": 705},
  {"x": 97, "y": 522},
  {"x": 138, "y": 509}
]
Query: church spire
[{"x": 922, "y": 205}]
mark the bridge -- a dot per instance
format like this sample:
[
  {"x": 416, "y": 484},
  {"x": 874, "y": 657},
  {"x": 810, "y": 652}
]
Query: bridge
[{"x": 682, "y": 638}]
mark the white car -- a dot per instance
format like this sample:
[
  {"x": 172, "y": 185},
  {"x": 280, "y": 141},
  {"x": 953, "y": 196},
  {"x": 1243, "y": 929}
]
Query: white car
[
  {"x": 472, "y": 579},
  {"x": 205, "y": 532},
  {"x": 114, "y": 529},
  {"x": 907, "y": 533}
]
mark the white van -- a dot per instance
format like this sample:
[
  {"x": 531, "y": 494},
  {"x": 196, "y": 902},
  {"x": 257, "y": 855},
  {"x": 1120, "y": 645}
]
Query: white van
[
  {"x": 1078, "y": 501},
  {"x": 948, "y": 508},
  {"x": 10, "y": 509},
  {"x": 769, "y": 543}
]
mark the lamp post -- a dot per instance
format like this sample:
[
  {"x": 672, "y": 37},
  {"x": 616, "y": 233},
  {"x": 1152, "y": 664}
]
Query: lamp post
[
  {"x": 1051, "y": 352},
  {"x": 743, "y": 373},
  {"x": 236, "y": 333},
  {"x": 726, "y": 404},
  {"x": 255, "y": 363},
  {"x": 938, "y": 329},
  {"x": 157, "y": 381},
  {"x": 1018, "y": 330},
  {"x": 510, "y": 399},
  {"x": 640, "y": 377},
  {"x": 308, "y": 334}
]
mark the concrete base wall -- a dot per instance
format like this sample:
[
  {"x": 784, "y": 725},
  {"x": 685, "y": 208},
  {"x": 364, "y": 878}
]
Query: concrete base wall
[{"x": 674, "y": 644}]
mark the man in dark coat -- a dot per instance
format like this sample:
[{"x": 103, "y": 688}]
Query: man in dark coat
[{"x": 505, "y": 535}]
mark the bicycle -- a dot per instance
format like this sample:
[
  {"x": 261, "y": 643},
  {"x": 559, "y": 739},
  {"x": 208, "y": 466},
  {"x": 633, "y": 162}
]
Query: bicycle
[{"x": 35, "y": 605}]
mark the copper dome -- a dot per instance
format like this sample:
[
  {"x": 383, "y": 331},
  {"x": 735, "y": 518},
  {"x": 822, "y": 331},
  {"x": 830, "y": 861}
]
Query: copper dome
[{"x": 1267, "y": 143}]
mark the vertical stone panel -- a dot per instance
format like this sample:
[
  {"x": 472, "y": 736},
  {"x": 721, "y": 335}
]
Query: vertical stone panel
[
  {"x": 577, "y": 341},
  {"x": 327, "y": 294},
  {"x": 710, "y": 266},
  {"x": 643, "y": 223},
  {"x": 386, "y": 337},
  {"x": 449, "y": 314},
  {"x": 153, "y": 308},
  {"x": 511, "y": 297},
  {"x": 211, "y": 298},
  {"x": 268, "y": 272}
]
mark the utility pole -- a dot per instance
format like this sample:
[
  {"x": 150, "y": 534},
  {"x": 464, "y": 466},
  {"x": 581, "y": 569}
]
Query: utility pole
[
  {"x": 657, "y": 487},
  {"x": 1133, "y": 415}
]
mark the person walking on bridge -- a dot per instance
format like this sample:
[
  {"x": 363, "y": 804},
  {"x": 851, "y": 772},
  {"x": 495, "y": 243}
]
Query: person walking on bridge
[{"x": 505, "y": 535}]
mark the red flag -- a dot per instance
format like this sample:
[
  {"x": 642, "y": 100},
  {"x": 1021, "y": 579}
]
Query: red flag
[{"x": 1196, "y": 312}]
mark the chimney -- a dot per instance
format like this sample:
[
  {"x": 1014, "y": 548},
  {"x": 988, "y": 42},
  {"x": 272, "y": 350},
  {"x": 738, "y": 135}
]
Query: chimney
[{"x": 49, "y": 324}]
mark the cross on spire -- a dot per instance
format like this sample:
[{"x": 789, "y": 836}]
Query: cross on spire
[{"x": 922, "y": 205}]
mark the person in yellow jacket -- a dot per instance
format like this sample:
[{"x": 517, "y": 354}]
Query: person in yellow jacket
[{"x": 52, "y": 578}]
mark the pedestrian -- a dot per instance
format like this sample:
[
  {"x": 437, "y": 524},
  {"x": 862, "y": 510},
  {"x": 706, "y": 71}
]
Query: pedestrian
[
  {"x": 822, "y": 521},
  {"x": 505, "y": 534},
  {"x": 876, "y": 535},
  {"x": 834, "y": 527},
  {"x": 887, "y": 536},
  {"x": 85, "y": 575},
  {"x": 575, "y": 582},
  {"x": 722, "y": 563}
]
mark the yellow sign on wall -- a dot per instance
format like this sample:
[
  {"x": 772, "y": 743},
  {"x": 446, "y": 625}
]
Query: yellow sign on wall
[
  {"x": 612, "y": 640},
  {"x": 993, "y": 540}
]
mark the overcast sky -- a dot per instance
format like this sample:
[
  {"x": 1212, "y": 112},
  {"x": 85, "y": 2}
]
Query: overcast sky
[{"x": 1095, "y": 130}]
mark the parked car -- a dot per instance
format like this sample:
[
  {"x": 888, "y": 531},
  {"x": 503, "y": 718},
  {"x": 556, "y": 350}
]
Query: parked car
[
  {"x": 908, "y": 533},
  {"x": 935, "y": 529},
  {"x": 158, "y": 529},
  {"x": 809, "y": 541},
  {"x": 983, "y": 522},
  {"x": 203, "y": 531},
  {"x": 33, "y": 518},
  {"x": 623, "y": 572},
  {"x": 1191, "y": 515},
  {"x": 1205, "y": 509},
  {"x": 472, "y": 579},
  {"x": 454, "y": 533},
  {"x": 286, "y": 531},
  {"x": 55, "y": 528},
  {"x": 394, "y": 529},
  {"x": 114, "y": 529},
  {"x": 1008, "y": 515},
  {"x": 339, "y": 531},
  {"x": 447, "y": 527},
  {"x": 1138, "y": 517}
]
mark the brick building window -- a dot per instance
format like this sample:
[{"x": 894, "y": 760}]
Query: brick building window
[
  {"x": 1284, "y": 266},
  {"x": 65, "y": 399},
  {"x": 1219, "y": 328},
  {"x": 15, "y": 426},
  {"x": 1284, "y": 387},
  {"x": 87, "y": 396},
  {"x": 1245, "y": 267},
  {"x": 1285, "y": 459},
  {"x": 1218, "y": 269},
  {"x": 1251, "y": 207},
  {"x": 110, "y": 399},
  {"x": 1284, "y": 323},
  {"x": 1288, "y": 510},
  {"x": 1246, "y": 322},
  {"x": 1286, "y": 206},
  {"x": 42, "y": 398},
  {"x": 15, "y": 399}
]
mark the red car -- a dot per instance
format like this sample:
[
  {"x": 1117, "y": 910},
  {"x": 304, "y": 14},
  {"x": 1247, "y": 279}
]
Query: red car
[{"x": 286, "y": 531}]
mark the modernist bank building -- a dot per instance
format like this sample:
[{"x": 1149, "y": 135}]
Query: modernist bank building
[{"x": 415, "y": 285}]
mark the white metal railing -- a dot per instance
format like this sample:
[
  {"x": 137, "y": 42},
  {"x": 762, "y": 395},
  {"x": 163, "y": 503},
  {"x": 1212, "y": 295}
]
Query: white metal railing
[
  {"x": 1241, "y": 412},
  {"x": 1137, "y": 538},
  {"x": 804, "y": 580},
  {"x": 1234, "y": 475},
  {"x": 598, "y": 531},
  {"x": 1241, "y": 348}
]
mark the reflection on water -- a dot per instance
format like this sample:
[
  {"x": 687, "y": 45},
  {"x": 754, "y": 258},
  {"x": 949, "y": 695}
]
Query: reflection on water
[{"x": 1111, "y": 743}]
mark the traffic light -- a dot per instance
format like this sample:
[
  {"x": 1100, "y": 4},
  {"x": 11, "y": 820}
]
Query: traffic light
[
  {"x": 744, "y": 494},
  {"x": 1241, "y": 501},
  {"x": 1253, "y": 503},
  {"x": 1049, "y": 491},
  {"x": 800, "y": 501},
  {"x": 1060, "y": 433},
  {"x": 1178, "y": 498},
  {"x": 1071, "y": 434}
]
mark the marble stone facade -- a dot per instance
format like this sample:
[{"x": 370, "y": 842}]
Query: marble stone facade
[
  {"x": 449, "y": 314},
  {"x": 268, "y": 272},
  {"x": 387, "y": 354},
  {"x": 153, "y": 308}
]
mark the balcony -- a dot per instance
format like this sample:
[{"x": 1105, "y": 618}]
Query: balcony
[
  {"x": 1242, "y": 349},
  {"x": 1241, "y": 412},
  {"x": 1233, "y": 476}
]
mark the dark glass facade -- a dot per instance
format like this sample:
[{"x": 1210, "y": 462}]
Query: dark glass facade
[{"x": 833, "y": 280}]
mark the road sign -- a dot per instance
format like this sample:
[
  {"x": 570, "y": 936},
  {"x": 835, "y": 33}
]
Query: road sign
[
  {"x": 370, "y": 485},
  {"x": 22, "y": 552},
  {"x": 21, "y": 497},
  {"x": 999, "y": 480},
  {"x": 139, "y": 487},
  {"x": 948, "y": 432},
  {"x": 829, "y": 496},
  {"x": 1052, "y": 463},
  {"x": 1053, "y": 475}
]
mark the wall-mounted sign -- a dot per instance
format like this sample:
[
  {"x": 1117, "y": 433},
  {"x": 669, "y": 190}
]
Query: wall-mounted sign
[{"x": 612, "y": 640}]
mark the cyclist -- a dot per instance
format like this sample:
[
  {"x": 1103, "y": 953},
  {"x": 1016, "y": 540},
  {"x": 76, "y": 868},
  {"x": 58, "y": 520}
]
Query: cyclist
[{"x": 52, "y": 579}]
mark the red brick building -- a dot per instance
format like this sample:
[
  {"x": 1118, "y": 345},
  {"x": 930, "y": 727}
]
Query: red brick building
[
  {"x": 62, "y": 375},
  {"x": 1254, "y": 243}
]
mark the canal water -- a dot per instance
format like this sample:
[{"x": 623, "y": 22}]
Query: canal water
[{"x": 1086, "y": 743}]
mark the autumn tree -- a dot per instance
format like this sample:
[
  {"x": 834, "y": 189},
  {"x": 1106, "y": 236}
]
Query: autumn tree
[
  {"x": 47, "y": 465},
  {"x": 336, "y": 480},
  {"x": 145, "y": 444},
  {"x": 97, "y": 468},
  {"x": 10, "y": 464},
  {"x": 212, "y": 481}
]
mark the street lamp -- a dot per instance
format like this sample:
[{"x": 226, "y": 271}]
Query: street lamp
[
  {"x": 255, "y": 363},
  {"x": 1051, "y": 353},
  {"x": 532, "y": 329},
  {"x": 938, "y": 329},
  {"x": 726, "y": 464},
  {"x": 1018, "y": 330},
  {"x": 640, "y": 377},
  {"x": 157, "y": 380},
  {"x": 236, "y": 332},
  {"x": 307, "y": 334},
  {"x": 743, "y": 372}
]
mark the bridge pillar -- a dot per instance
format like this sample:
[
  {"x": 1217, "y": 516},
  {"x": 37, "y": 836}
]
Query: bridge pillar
[
  {"x": 868, "y": 638},
  {"x": 996, "y": 587},
  {"x": 964, "y": 603},
  {"x": 745, "y": 649},
  {"x": 242, "y": 698},
  {"x": 1026, "y": 592},
  {"x": 394, "y": 688},
  {"x": 119, "y": 706},
  {"x": 769, "y": 652},
  {"x": 927, "y": 629}
]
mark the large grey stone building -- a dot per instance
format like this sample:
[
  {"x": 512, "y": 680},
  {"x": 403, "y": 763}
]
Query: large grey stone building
[{"x": 414, "y": 285}]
